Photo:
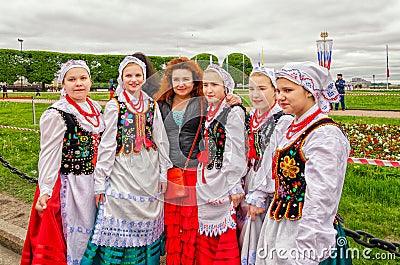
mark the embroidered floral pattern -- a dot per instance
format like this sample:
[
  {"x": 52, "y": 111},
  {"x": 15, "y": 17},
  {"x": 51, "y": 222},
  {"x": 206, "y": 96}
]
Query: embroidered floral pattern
[
  {"x": 259, "y": 139},
  {"x": 289, "y": 168},
  {"x": 135, "y": 129},
  {"x": 217, "y": 229},
  {"x": 216, "y": 140},
  {"x": 79, "y": 147},
  {"x": 129, "y": 196},
  {"x": 115, "y": 232}
]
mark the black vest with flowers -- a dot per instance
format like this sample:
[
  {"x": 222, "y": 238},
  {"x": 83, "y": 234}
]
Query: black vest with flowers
[
  {"x": 135, "y": 129},
  {"x": 79, "y": 147},
  {"x": 217, "y": 138},
  {"x": 288, "y": 170},
  {"x": 262, "y": 137}
]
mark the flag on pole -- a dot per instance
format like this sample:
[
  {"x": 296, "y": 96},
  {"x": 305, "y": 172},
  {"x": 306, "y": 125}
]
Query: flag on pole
[
  {"x": 387, "y": 61},
  {"x": 328, "y": 53},
  {"x": 324, "y": 52},
  {"x": 320, "y": 51}
]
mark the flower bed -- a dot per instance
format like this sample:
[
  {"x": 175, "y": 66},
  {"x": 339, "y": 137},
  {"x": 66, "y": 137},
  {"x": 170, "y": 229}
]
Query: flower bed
[{"x": 374, "y": 141}]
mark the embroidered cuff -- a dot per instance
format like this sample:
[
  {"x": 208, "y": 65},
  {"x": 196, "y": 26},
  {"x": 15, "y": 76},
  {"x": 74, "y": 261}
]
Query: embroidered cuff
[
  {"x": 100, "y": 184},
  {"x": 236, "y": 190},
  {"x": 256, "y": 199},
  {"x": 44, "y": 191},
  {"x": 163, "y": 175}
]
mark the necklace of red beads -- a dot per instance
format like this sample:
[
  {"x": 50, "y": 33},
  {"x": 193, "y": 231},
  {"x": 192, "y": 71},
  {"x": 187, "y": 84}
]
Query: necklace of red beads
[
  {"x": 256, "y": 120},
  {"x": 295, "y": 128},
  {"x": 88, "y": 116},
  {"x": 211, "y": 113},
  {"x": 139, "y": 106}
]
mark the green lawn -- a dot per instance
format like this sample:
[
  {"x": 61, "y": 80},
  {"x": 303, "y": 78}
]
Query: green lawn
[
  {"x": 367, "y": 102},
  {"x": 370, "y": 102},
  {"x": 56, "y": 95}
]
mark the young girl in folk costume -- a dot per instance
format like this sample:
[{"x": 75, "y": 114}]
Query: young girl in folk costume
[
  {"x": 262, "y": 121},
  {"x": 308, "y": 168},
  {"x": 63, "y": 210},
  {"x": 222, "y": 165},
  {"x": 131, "y": 176}
]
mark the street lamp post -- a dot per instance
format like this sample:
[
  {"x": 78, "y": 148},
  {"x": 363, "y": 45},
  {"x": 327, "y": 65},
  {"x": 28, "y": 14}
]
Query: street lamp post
[
  {"x": 20, "y": 41},
  {"x": 324, "y": 35},
  {"x": 373, "y": 80}
]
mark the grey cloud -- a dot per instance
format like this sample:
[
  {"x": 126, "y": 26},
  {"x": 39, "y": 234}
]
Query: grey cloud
[{"x": 286, "y": 30}]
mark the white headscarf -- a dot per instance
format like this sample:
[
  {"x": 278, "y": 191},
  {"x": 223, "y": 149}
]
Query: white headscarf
[
  {"x": 127, "y": 60},
  {"x": 315, "y": 79},
  {"x": 267, "y": 72},
  {"x": 225, "y": 76},
  {"x": 65, "y": 67}
]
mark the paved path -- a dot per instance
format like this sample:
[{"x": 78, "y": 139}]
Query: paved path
[
  {"x": 366, "y": 113},
  {"x": 8, "y": 257}
]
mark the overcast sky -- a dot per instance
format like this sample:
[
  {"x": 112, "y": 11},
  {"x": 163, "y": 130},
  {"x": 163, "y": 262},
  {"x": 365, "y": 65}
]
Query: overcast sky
[{"x": 287, "y": 30}]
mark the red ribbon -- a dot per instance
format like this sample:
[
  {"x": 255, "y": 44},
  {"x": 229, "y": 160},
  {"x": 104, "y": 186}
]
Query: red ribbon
[
  {"x": 252, "y": 150},
  {"x": 204, "y": 156}
]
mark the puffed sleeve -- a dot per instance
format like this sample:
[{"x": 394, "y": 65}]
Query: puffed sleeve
[
  {"x": 263, "y": 183},
  {"x": 107, "y": 147},
  {"x": 326, "y": 151},
  {"x": 160, "y": 138},
  {"x": 234, "y": 164},
  {"x": 52, "y": 129}
]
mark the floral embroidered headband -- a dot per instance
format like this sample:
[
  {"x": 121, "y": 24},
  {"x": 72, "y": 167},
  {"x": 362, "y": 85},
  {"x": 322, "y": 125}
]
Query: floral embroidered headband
[
  {"x": 315, "y": 79},
  {"x": 127, "y": 60},
  {"x": 267, "y": 72},
  {"x": 225, "y": 76},
  {"x": 65, "y": 67}
]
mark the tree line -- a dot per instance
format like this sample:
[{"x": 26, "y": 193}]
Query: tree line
[{"x": 42, "y": 66}]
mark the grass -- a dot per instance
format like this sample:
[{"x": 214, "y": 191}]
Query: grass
[
  {"x": 370, "y": 199},
  {"x": 20, "y": 114},
  {"x": 373, "y": 102},
  {"x": 367, "y": 102},
  {"x": 56, "y": 95},
  {"x": 20, "y": 149},
  {"x": 370, "y": 202}
]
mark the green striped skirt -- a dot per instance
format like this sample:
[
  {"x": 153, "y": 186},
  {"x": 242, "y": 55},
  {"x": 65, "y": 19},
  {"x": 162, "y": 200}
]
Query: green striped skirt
[{"x": 145, "y": 255}]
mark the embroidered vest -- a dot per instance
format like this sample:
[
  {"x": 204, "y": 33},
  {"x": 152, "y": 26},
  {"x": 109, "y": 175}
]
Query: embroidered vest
[
  {"x": 135, "y": 129},
  {"x": 79, "y": 151},
  {"x": 216, "y": 140},
  {"x": 261, "y": 138},
  {"x": 288, "y": 170}
]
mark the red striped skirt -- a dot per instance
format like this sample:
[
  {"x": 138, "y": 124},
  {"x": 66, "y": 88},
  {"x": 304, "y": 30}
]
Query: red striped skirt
[{"x": 45, "y": 243}]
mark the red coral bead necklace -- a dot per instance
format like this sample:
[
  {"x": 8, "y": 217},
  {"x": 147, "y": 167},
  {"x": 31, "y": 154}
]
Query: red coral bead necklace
[{"x": 95, "y": 112}]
